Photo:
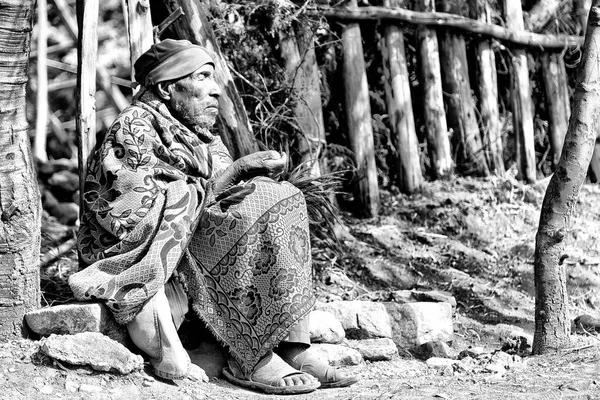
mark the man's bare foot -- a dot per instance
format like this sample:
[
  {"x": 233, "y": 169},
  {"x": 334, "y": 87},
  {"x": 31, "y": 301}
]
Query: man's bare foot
[{"x": 195, "y": 374}]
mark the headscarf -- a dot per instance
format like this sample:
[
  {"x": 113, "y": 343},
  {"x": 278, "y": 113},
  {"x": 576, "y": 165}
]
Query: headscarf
[{"x": 168, "y": 60}]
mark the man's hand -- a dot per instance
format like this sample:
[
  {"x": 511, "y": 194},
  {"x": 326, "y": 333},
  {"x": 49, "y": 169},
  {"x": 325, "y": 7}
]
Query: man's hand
[{"x": 262, "y": 163}]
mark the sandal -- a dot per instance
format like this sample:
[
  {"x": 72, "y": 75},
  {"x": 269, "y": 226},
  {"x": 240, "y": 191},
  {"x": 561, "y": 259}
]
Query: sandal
[
  {"x": 266, "y": 376},
  {"x": 330, "y": 377}
]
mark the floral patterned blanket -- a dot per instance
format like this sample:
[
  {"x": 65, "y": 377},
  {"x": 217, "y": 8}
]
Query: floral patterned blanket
[
  {"x": 244, "y": 257},
  {"x": 248, "y": 267}
]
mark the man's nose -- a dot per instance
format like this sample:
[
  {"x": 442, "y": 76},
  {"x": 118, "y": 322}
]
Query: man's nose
[{"x": 215, "y": 90}]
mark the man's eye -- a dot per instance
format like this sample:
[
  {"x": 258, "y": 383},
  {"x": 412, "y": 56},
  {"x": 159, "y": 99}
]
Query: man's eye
[{"x": 200, "y": 77}]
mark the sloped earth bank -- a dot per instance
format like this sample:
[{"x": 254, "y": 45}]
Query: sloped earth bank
[{"x": 473, "y": 239}]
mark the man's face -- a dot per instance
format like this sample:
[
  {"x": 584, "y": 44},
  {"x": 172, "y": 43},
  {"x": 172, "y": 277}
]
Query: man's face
[{"x": 194, "y": 99}]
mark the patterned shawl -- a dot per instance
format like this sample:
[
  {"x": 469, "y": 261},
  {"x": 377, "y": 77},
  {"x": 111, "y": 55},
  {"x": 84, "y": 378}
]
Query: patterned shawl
[{"x": 143, "y": 194}]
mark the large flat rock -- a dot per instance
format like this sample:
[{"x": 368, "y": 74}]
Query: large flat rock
[
  {"x": 360, "y": 319},
  {"x": 414, "y": 324},
  {"x": 93, "y": 349},
  {"x": 74, "y": 318},
  {"x": 324, "y": 327},
  {"x": 381, "y": 349},
  {"x": 337, "y": 355}
]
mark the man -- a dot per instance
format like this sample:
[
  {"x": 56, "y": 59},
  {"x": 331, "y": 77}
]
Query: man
[{"x": 170, "y": 220}]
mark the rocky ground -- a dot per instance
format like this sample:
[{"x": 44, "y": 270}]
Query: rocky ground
[{"x": 470, "y": 239}]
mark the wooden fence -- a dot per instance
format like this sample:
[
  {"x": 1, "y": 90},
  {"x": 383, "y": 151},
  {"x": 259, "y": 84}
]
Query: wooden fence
[{"x": 463, "y": 133}]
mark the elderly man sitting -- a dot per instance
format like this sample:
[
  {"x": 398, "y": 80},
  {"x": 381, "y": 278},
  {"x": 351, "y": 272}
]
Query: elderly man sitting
[{"x": 170, "y": 221}]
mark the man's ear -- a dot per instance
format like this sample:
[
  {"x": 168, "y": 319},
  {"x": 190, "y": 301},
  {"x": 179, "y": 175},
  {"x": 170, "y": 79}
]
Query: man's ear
[{"x": 162, "y": 90}]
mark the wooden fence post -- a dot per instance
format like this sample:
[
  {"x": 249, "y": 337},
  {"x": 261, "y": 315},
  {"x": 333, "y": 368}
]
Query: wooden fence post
[
  {"x": 521, "y": 97},
  {"x": 460, "y": 104},
  {"x": 139, "y": 29},
  {"x": 87, "y": 51},
  {"x": 302, "y": 75},
  {"x": 117, "y": 99},
  {"x": 233, "y": 124},
  {"x": 399, "y": 105},
  {"x": 42, "y": 83},
  {"x": 434, "y": 112},
  {"x": 358, "y": 114},
  {"x": 557, "y": 97},
  {"x": 488, "y": 91}
]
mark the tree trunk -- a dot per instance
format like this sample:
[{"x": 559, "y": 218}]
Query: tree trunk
[
  {"x": 87, "y": 54},
  {"x": 234, "y": 125},
  {"x": 399, "y": 105},
  {"x": 20, "y": 206},
  {"x": 551, "y": 320},
  {"x": 139, "y": 28},
  {"x": 41, "y": 121},
  {"x": 358, "y": 114},
  {"x": 434, "y": 112},
  {"x": 488, "y": 91},
  {"x": 467, "y": 142},
  {"x": 581, "y": 9},
  {"x": 522, "y": 104},
  {"x": 303, "y": 76},
  {"x": 557, "y": 95}
]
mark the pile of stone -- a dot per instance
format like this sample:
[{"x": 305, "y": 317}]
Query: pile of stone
[{"x": 343, "y": 332}]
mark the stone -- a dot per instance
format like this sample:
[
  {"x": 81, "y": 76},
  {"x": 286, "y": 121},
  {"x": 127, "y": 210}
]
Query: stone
[
  {"x": 87, "y": 388},
  {"x": 382, "y": 349},
  {"x": 471, "y": 351},
  {"x": 416, "y": 323},
  {"x": 337, "y": 355},
  {"x": 434, "y": 348},
  {"x": 93, "y": 349},
  {"x": 361, "y": 319},
  {"x": 441, "y": 363},
  {"x": 324, "y": 327},
  {"x": 69, "y": 319},
  {"x": 388, "y": 236},
  {"x": 434, "y": 296},
  {"x": 210, "y": 357}
]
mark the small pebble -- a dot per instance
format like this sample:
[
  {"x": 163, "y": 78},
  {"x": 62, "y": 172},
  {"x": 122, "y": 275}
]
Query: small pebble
[
  {"x": 87, "y": 388},
  {"x": 46, "y": 389},
  {"x": 11, "y": 369}
]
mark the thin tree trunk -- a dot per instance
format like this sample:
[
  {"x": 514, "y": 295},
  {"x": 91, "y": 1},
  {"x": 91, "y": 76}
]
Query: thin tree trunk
[
  {"x": 468, "y": 146},
  {"x": 234, "y": 125},
  {"x": 521, "y": 38},
  {"x": 581, "y": 9},
  {"x": 594, "y": 169},
  {"x": 434, "y": 112},
  {"x": 399, "y": 104},
  {"x": 87, "y": 51},
  {"x": 488, "y": 91},
  {"x": 114, "y": 95},
  {"x": 522, "y": 103},
  {"x": 358, "y": 114},
  {"x": 302, "y": 75},
  {"x": 41, "y": 121},
  {"x": 20, "y": 206},
  {"x": 551, "y": 319},
  {"x": 557, "y": 95},
  {"x": 139, "y": 27}
]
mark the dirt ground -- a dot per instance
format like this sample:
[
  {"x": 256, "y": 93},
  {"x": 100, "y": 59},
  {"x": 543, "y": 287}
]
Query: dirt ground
[{"x": 473, "y": 239}]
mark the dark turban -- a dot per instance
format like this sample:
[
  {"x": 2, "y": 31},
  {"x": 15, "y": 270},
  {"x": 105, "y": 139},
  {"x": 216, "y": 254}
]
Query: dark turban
[{"x": 168, "y": 60}]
